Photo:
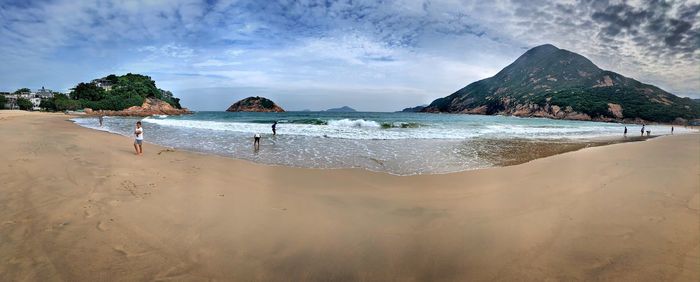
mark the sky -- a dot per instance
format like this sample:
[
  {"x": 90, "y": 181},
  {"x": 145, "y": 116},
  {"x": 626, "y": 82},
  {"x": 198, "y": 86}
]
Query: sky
[{"x": 370, "y": 55}]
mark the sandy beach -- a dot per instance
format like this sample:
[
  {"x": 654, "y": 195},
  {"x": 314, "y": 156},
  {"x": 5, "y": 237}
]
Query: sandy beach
[{"x": 78, "y": 205}]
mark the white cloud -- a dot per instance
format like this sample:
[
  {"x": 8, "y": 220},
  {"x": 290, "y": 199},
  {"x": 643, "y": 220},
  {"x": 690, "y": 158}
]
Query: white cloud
[{"x": 420, "y": 49}]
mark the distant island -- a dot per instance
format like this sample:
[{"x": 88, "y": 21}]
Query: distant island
[
  {"x": 344, "y": 109},
  {"x": 415, "y": 109},
  {"x": 127, "y": 95},
  {"x": 555, "y": 83},
  {"x": 255, "y": 104}
]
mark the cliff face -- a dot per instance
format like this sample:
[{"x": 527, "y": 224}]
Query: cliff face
[
  {"x": 255, "y": 104},
  {"x": 150, "y": 106},
  {"x": 550, "y": 82}
]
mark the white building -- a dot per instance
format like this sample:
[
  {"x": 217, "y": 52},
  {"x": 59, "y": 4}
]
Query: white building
[
  {"x": 36, "y": 101},
  {"x": 11, "y": 101},
  {"x": 103, "y": 83},
  {"x": 44, "y": 93}
]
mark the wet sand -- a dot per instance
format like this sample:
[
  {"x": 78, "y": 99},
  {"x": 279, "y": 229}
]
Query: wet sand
[
  {"x": 77, "y": 205},
  {"x": 502, "y": 152}
]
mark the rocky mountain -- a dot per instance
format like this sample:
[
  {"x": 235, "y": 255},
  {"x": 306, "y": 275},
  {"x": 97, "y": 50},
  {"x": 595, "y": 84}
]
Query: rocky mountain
[
  {"x": 342, "y": 109},
  {"x": 555, "y": 83},
  {"x": 255, "y": 104}
]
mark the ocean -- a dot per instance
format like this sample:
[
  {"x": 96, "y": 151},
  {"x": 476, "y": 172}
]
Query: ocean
[{"x": 397, "y": 143}]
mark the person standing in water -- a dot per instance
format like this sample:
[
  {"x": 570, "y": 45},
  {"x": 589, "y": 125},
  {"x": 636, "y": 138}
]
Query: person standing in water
[
  {"x": 274, "y": 128},
  {"x": 671, "y": 129},
  {"x": 256, "y": 141},
  {"x": 101, "y": 120},
  {"x": 625, "y": 131},
  {"x": 642, "y": 130},
  {"x": 138, "y": 143}
]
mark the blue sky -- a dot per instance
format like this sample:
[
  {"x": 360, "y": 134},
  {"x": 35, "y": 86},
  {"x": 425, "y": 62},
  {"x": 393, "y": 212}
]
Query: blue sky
[{"x": 370, "y": 55}]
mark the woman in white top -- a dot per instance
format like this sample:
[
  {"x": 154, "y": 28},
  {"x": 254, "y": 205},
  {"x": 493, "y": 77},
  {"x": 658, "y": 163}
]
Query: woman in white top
[{"x": 138, "y": 146}]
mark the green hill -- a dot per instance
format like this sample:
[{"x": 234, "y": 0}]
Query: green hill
[
  {"x": 112, "y": 93},
  {"x": 550, "y": 82}
]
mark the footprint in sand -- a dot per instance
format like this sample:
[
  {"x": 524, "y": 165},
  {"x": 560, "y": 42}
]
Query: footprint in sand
[
  {"x": 130, "y": 187},
  {"x": 88, "y": 213},
  {"x": 123, "y": 251},
  {"x": 101, "y": 226}
]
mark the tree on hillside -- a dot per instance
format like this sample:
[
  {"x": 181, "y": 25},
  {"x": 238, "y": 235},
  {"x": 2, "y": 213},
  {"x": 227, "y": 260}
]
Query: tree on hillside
[
  {"x": 127, "y": 90},
  {"x": 3, "y": 100},
  {"x": 48, "y": 104},
  {"x": 136, "y": 84},
  {"x": 112, "y": 78},
  {"x": 62, "y": 103},
  {"x": 87, "y": 91},
  {"x": 22, "y": 90},
  {"x": 24, "y": 104}
]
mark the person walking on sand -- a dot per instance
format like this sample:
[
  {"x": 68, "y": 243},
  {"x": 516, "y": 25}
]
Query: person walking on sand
[
  {"x": 138, "y": 143},
  {"x": 274, "y": 128},
  {"x": 256, "y": 141}
]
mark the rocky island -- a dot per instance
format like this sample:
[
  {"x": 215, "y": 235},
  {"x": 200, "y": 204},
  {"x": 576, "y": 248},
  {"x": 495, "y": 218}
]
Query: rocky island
[
  {"x": 343, "y": 109},
  {"x": 255, "y": 104},
  {"x": 555, "y": 83}
]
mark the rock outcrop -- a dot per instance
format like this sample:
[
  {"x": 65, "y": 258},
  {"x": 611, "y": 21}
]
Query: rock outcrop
[
  {"x": 415, "y": 109},
  {"x": 255, "y": 104},
  {"x": 150, "y": 106}
]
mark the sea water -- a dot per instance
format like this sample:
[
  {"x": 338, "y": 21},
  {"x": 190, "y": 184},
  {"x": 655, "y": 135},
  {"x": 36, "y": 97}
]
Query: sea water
[{"x": 398, "y": 143}]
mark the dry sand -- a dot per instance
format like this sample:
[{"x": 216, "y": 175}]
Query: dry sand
[{"x": 77, "y": 205}]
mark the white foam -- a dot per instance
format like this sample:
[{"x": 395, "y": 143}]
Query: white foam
[
  {"x": 354, "y": 123},
  {"x": 362, "y": 129},
  {"x": 345, "y": 129}
]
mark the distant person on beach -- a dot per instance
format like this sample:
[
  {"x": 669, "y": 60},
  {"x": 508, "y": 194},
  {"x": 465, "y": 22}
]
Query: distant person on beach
[
  {"x": 625, "y": 130},
  {"x": 256, "y": 141},
  {"x": 671, "y": 130},
  {"x": 101, "y": 121},
  {"x": 274, "y": 128},
  {"x": 138, "y": 143},
  {"x": 642, "y": 130}
]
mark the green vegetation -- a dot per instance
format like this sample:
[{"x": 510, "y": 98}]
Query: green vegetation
[
  {"x": 22, "y": 90},
  {"x": 594, "y": 102},
  {"x": 125, "y": 91},
  {"x": 24, "y": 104},
  {"x": 3, "y": 100},
  {"x": 266, "y": 103},
  {"x": 87, "y": 91}
]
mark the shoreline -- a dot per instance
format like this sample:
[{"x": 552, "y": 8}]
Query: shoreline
[
  {"x": 635, "y": 121},
  {"x": 78, "y": 205},
  {"x": 535, "y": 149}
]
